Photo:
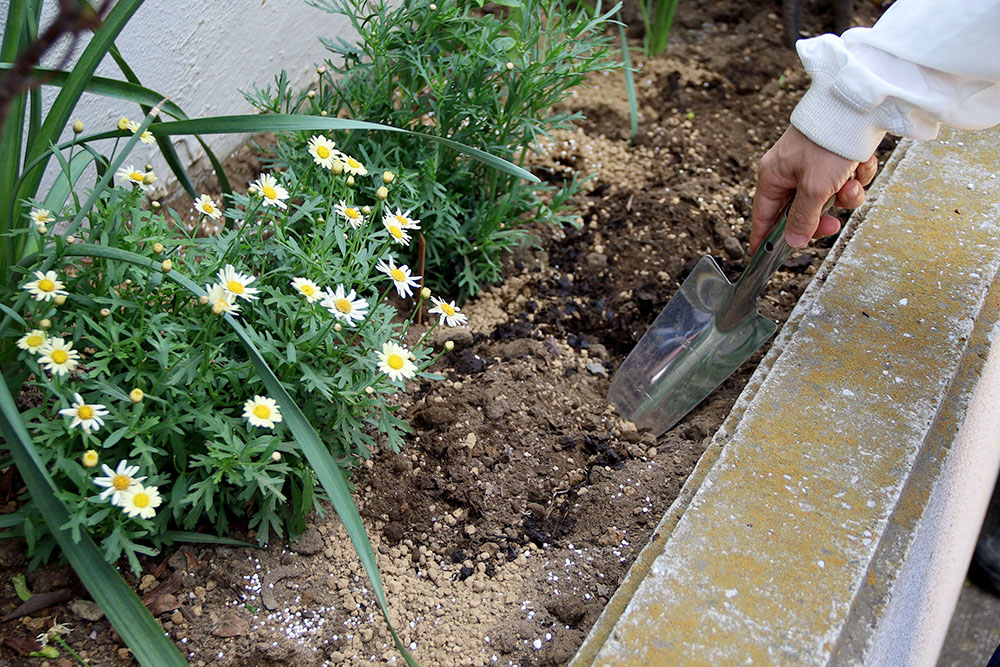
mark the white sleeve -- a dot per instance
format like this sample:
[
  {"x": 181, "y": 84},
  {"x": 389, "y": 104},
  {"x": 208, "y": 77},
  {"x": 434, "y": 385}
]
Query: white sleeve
[{"x": 924, "y": 63}]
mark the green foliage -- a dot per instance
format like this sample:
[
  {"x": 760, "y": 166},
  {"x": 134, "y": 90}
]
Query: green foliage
[
  {"x": 187, "y": 433},
  {"x": 657, "y": 19},
  {"x": 488, "y": 79}
]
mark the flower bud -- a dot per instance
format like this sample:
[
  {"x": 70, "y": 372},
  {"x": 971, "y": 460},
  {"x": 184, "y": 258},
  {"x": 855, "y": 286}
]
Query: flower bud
[
  {"x": 167, "y": 266},
  {"x": 49, "y": 651},
  {"x": 369, "y": 390},
  {"x": 388, "y": 177},
  {"x": 105, "y": 312},
  {"x": 425, "y": 293},
  {"x": 217, "y": 308},
  {"x": 510, "y": 66},
  {"x": 59, "y": 299},
  {"x": 323, "y": 112},
  {"x": 149, "y": 167},
  {"x": 350, "y": 179},
  {"x": 433, "y": 7},
  {"x": 46, "y": 323},
  {"x": 149, "y": 178},
  {"x": 382, "y": 192},
  {"x": 136, "y": 395},
  {"x": 311, "y": 94},
  {"x": 123, "y": 123},
  {"x": 157, "y": 247},
  {"x": 42, "y": 229},
  {"x": 70, "y": 240},
  {"x": 154, "y": 204},
  {"x": 321, "y": 70},
  {"x": 275, "y": 456},
  {"x": 367, "y": 210},
  {"x": 89, "y": 459},
  {"x": 449, "y": 345},
  {"x": 203, "y": 299},
  {"x": 337, "y": 327},
  {"x": 337, "y": 167},
  {"x": 78, "y": 126}
]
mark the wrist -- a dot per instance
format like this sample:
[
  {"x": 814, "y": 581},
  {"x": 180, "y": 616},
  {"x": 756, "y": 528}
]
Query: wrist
[{"x": 830, "y": 121}]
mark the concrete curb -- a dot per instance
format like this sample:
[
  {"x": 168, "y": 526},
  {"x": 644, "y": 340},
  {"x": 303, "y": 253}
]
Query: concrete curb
[{"x": 800, "y": 526}]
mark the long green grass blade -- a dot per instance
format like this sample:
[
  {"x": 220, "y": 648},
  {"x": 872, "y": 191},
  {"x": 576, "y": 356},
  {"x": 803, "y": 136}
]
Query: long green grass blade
[
  {"x": 126, "y": 612},
  {"x": 633, "y": 104},
  {"x": 276, "y": 123},
  {"x": 319, "y": 457},
  {"x": 172, "y": 536},
  {"x": 11, "y": 129},
  {"x": 663, "y": 19},
  {"x": 105, "y": 87}
]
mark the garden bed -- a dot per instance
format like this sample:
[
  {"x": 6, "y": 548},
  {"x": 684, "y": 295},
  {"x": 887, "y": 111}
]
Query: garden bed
[{"x": 520, "y": 500}]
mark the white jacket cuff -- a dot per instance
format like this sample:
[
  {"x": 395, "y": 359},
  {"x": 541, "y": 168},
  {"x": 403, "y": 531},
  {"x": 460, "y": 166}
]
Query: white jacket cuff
[{"x": 832, "y": 122}]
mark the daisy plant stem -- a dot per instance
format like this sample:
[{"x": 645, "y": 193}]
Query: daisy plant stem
[
  {"x": 66, "y": 647},
  {"x": 251, "y": 212},
  {"x": 426, "y": 334},
  {"x": 416, "y": 311},
  {"x": 363, "y": 322}
]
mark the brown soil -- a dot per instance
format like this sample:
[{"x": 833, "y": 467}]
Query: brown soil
[{"x": 521, "y": 498}]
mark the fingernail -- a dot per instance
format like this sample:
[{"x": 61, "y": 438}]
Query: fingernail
[{"x": 796, "y": 240}]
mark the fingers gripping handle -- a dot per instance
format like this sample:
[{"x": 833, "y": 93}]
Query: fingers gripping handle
[{"x": 770, "y": 254}]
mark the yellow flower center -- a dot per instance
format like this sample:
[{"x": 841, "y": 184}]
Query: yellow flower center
[
  {"x": 395, "y": 362},
  {"x": 307, "y": 289},
  {"x": 402, "y": 221},
  {"x": 35, "y": 341},
  {"x": 59, "y": 356},
  {"x": 262, "y": 411},
  {"x": 323, "y": 152},
  {"x": 396, "y": 231},
  {"x": 343, "y": 305},
  {"x": 235, "y": 286},
  {"x": 269, "y": 192},
  {"x": 121, "y": 482},
  {"x": 352, "y": 163},
  {"x": 46, "y": 285},
  {"x": 448, "y": 310},
  {"x": 85, "y": 412},
  {"x": 398, "y": 276},
  {"x": 207, "y": 207},
  {"x": 141, "y": 500},
  {"x": 352, "y": 213},
  {"x": 137, "y": 176}
]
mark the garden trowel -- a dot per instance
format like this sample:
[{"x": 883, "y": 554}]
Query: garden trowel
[{"x": 702, "y": 335}]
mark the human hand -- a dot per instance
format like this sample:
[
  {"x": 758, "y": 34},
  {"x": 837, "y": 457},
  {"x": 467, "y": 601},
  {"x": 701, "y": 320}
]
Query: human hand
[{"x": 796, "y": 167}]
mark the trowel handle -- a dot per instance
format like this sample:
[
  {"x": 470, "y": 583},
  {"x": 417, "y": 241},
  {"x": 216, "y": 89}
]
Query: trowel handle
[{"x": 770, "y": 254}]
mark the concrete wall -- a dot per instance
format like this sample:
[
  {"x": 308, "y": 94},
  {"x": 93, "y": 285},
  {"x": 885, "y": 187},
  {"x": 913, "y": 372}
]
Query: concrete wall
[{"x": 202, "y": 54}]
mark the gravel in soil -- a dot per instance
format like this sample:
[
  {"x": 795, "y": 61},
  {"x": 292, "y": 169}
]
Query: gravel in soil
[{"x": 521, "y": 498}]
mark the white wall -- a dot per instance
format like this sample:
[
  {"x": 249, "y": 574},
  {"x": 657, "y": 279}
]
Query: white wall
[{"x": 201, "y": 54}]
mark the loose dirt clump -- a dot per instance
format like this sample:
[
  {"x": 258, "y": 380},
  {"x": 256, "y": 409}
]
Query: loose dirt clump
[{"x": 520, "y": 499}]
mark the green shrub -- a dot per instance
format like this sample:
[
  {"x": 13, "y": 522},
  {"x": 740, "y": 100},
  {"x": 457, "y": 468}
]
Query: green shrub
[
  {"x": 138, "y": 377},
  {"x": 487, "y": 79}
]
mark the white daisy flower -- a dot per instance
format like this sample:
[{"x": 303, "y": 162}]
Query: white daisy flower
[
  {"x": 394, "y": 361},
  {"x": 345, "y": 307},
  {"x": 261, "y": 411},
  {"x": 450, "y": 313},
  {"x": 351, "y": 166},
  {"x": 146, "y": 137},
  {"x": 41, "y": 217},
  {"x": 404, "y": 220},
  {"x": 141, "y": 501},
  {"x": 322, "y": 151},
  {"x": 32, "y": 341},
  {"x": 402, "y": 279},
  {"x": 204, "y": 204},
  {"x": 353, "y": 216},
  {"x": 86, "y": 416},
  {"x": 397, "y": 231},
  {"x": 116, "y": 482},
  {"x": 45, "y": 286},
  {"x": 306, "y": 288},
  {"x": 267, "y": 187},
  {"x": 132, "y": 175},
  {"x": 221, "y": 300},
  {"x": 236, "y": 283},
  {"x": 58, "y": 357}
]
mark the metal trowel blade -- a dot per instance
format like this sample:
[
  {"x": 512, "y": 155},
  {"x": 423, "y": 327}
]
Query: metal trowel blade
[{"x": 684, "y": 356}]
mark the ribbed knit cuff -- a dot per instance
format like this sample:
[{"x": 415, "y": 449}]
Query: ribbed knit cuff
[{"x": 835, "y": 124}]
